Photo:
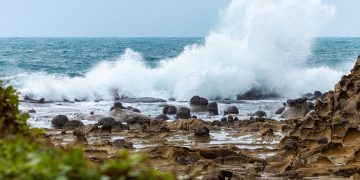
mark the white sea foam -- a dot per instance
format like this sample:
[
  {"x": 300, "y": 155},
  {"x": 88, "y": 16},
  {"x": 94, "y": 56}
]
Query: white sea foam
[{"x": 257, "y": 44}]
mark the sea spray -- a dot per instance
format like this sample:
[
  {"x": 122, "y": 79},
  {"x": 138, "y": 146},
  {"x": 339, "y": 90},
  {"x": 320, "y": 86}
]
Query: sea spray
[{"x": 258, "y": 44}]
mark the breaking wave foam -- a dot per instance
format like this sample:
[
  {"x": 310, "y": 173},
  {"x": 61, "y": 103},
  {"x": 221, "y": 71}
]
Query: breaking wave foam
[{"x": 259, "y": 44}]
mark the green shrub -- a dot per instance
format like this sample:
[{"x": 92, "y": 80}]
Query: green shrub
[{"x": 25, "y": 155}]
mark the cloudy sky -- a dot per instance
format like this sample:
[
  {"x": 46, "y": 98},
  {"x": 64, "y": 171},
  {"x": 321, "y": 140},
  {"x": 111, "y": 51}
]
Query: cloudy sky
[{"x": 140, "y": 18}]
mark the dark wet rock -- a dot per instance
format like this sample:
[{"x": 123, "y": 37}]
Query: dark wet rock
[
  {"x": 231, "y": 110},
  {"x": 161, "y": 117},
  {"x": 142, "y": 100},
  {"x": 223, "y": 175},
  {"x": 171, "y": 99},
  {"x": 106, "y": 120},
  {"x": 236, "y": 118},
  {"x": 259, "y": 113},
  {"x": 31, "y": 111},
  {"x": 202, "y": 132},
  {"x": 122, "y": 144},
  {"x": 136, "y": 110},
  {"x": 223, "y": 119},
  {"x": 216, "y": 123},
  {"x": 137, "y": 120},
  {"x": 212, "y": 108},
  {"x": 317, "y": 94},
  {"x": 280, "y": 110},
  {"x": 183, "y": 113},
  {"x": 194, "y": 117},
  {"x": 310, "y": 105},
  {"x": 182, "y": 159},
  {"x": 59, "y": 121},
  {"x": 169, "y": 110},
  {"x": 41, "y": 101},
  {"x": 28, "y": 98},
  {"x": 230, "y": 118},
  {"x": 79, "y": 100},
  {"x": 256, "y": 94},
  {"x": 73, "y": 124},
  {"x": 229, "y": 101},
  {"x": 198, "y": 101}
]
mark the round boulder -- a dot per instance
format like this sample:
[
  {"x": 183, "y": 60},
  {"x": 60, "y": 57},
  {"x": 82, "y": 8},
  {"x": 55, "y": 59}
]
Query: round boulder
[
  {"x": 198, "y": 101},
  {"x": 212, "y": 108},
  {"x": 183, "y": 113},
  {"x": 231, "y": 110},
  {"x": 259, "y": 113},
  {"x": 59, "y": 121},
  {"x": 169, "y": 110}
]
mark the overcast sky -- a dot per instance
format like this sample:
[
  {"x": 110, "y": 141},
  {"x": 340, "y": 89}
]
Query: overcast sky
[{"x": 123, "y": 18}]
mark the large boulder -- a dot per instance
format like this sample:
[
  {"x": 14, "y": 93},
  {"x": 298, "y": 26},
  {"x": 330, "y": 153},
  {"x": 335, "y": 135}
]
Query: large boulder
[
  {"x": 198, "y": 101},
  {"x": 212, "y": 108},
  {"x": 198, "y": 104},
  {"x": 169, "y": 109},
  {"x": 183, "y": 113},
  {"x": 295, "y": 108},
  {"x": 59, "y": 121},
  {"x": 255, "y": 94},
  {"x": 231, "y": 110}
]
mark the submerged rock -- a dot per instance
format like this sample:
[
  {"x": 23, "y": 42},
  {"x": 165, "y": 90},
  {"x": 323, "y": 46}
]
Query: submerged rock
[
  {"x": 255, "y": 94},
  {"x": 59, "y": 121},
  {"x": 142, "y": 100}
]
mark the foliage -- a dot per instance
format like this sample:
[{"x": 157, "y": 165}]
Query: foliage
[
  {"x": 25, "y": 155},
  {"x": 11, "y": 120}
]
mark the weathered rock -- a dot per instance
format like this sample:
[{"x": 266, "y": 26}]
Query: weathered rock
[
  {"x": 183, "y": 113},
  {"x": 59, "y": 121},
  {"x": 73, "y": 124},
  {"x": 295, "y": 108},
  {"x": 212, "y": 108},
  {"x": 231, "y": 110},
  {"x": 169, "y": 110}
]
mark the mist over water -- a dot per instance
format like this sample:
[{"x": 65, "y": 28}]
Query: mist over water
[{"x": 261, "y": 44}]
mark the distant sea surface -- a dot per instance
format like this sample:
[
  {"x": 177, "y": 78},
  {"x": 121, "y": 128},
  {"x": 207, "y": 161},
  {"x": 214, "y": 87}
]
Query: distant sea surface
[{"x": 75, "y": 56}]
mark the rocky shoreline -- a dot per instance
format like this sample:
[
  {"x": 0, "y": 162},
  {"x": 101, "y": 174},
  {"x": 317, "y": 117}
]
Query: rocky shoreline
[{"x": 320, "y": 136}]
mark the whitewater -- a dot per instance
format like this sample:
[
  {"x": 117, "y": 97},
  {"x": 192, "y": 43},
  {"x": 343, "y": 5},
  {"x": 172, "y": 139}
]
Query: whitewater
[{"x": 258, "y": 44}]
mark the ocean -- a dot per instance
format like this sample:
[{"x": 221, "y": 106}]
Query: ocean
[{"x": 60, "y": 69}]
